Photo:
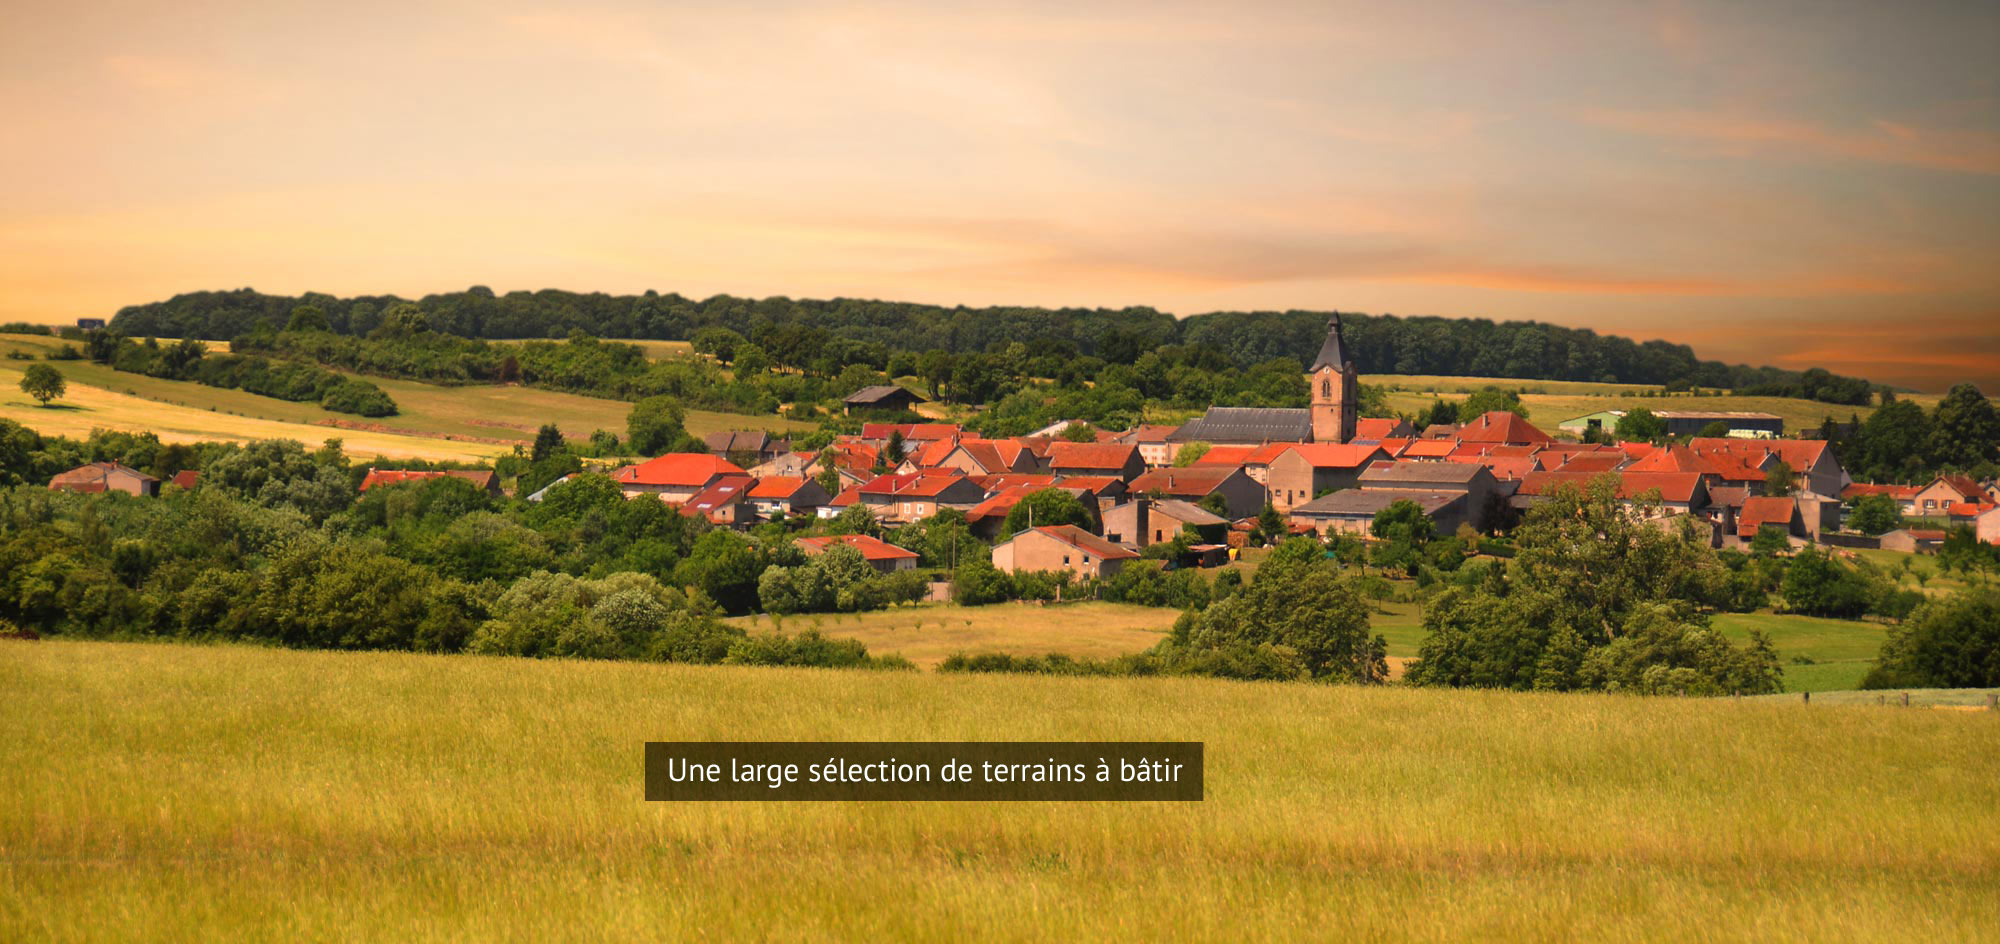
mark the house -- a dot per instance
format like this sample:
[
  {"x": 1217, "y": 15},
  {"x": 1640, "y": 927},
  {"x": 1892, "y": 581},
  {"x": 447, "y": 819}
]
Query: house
[
  {"x": 1154, "y": 447},
  {"x": 726, "y": 502},
  {"x": 1143, "y": 522},
  {"x": 1118, "y": 460},
  {"x": 1932, "y": 500},
  {"x": 674, "y": 477},
  {"x": 106, "y": 477},
  {"x": 1764, "y": 511},
  {"x": 881, "y": 397},
  {"x": 746, "y": 446},
  {"x": 1242, "y": 496},
  {"x": 914, "y": 496},
  {"x": 1429, "y": 450},
  {"x": 1352, "y": 511},
  {"x": 483, "y": 479},
  {"x": 1814, "y": 467},
  {"x": 185, "y": 479},
  {"x": 1500, "y": 426},
  {"x": 972, "y": 457},
  {"x": 880, "y": 554},
  {"x": 1230, "y": 455},
  {"x": 1302, "y": 471},
  {"x": 1109, "y": 490},
  {"x": 1481, "y": 489},
  {"x": 787, "y": 495},
  {"x": 1060, "y": 547}
]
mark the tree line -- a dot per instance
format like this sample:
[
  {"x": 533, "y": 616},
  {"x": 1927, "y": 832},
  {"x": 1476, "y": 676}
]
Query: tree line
[{"x": 798, "y": 332}]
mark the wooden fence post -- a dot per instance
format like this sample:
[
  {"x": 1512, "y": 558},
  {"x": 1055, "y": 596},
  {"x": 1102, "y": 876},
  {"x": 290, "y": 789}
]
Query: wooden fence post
[
  {"x": 1805, "y": 698},
  {"x": 1993, "y": 701},
  {"x": 1906, "y": 699}
]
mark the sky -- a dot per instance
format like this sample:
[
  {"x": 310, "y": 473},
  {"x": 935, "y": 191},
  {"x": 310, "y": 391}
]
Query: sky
[{"x": 1798, "y": 184}]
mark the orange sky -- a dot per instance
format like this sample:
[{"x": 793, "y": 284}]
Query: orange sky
[{"x": 1794, "y": 184}]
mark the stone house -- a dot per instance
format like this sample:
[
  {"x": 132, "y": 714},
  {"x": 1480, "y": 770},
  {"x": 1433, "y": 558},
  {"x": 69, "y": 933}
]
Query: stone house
[{"x": 1060, "y": 547}]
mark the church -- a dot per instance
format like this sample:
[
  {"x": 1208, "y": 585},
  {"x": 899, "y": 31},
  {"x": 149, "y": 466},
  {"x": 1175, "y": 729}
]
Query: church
[{"x": 1336, "y": 405}]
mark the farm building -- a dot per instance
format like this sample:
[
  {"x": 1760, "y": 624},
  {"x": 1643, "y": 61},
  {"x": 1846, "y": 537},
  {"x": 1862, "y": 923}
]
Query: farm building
[
  {"x": 880, "y": 554},
  {"x": 881, "y": 397},
  {"x": 1143, "y": 522}
]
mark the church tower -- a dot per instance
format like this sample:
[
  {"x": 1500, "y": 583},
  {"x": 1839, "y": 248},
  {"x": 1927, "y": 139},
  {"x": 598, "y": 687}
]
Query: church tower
[{"x": 1336, "y": 401}]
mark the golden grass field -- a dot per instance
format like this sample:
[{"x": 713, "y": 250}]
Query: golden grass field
[
  {"x": 926, "y": 634},
  {"x": 173, "y": 792},
  {"x": 485, "y": 420}
]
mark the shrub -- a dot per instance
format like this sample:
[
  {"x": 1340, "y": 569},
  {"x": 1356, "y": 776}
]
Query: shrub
[{"x": 1948, "y": 643}]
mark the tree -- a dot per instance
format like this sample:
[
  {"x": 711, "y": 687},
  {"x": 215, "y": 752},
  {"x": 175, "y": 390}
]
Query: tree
[
  {"x": 1079, "y": 433},
  {"x": 1403, "y": 529},
  {"x": 1965, "y": 429},
  {"x": 892, "y": 451},
  {"x": 1778, "y": 479},
  {"x": 657, "y": 425},
  {"x": 1720, "y": 428},
  {"x": 1876, "y": 514},
  {"x": 307, "y": 318},
  {"x": 977, "y": 582},
  {"x": 548, "y": 439},
  {"x": 1049, "y": 506},
  {"x": 1489, "y": 399},
  {"x": 1948, "y": 643},
  {"x": 1190, "y": 452},
  {"x": 1300, "y": 609},
  {"x": 1641, "y": 425},
  {"x": 719, "y": 342},
  {"x": 1818, "y": 585},
  {"x": 43, "y": 382}
]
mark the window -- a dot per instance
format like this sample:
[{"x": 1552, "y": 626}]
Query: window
[
  {"x": 1325, "y": 387},
  {"x": 1065, "y": 560}
]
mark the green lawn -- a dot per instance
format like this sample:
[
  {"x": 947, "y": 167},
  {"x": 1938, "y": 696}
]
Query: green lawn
[{"x": 1558, "y": 400}]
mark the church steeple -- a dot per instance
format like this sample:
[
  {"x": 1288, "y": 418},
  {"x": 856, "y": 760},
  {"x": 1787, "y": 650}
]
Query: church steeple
[{"x": 1336, "y": 401}]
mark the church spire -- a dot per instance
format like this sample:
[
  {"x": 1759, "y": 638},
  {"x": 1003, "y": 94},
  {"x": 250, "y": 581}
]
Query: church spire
[{"x": 1333, "y": 353}]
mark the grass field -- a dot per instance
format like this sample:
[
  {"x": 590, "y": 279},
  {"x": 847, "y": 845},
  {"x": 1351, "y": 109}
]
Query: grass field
[
  {"x": 927, "y": 634},
  {"x": 191, "y": 793},
  {"x": 1559, "y": 400},
  {"x": 483, "y": 421}
]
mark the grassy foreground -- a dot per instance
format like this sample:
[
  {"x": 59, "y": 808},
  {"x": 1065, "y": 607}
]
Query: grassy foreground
[{"x": 189, "y": 793}]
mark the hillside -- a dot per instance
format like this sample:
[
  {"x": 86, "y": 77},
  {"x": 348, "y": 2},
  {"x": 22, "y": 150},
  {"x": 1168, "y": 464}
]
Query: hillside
[
  {"x": 185, "y": 792},
  {"x": 1550, "y": 402},
  {"x": 433, "y": 422}
]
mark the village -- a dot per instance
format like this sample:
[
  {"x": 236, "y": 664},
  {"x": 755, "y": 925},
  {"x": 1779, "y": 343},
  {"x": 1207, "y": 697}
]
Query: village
[{"x": 1208, "y": 483}]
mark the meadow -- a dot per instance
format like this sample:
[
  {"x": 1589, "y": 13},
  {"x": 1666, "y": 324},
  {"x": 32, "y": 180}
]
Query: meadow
[
  {"x": 176, "y": 792},
  {"x": 470, "y": 423}
]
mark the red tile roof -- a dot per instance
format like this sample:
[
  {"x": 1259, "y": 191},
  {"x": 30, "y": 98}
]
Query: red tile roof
[
  {"x": 1395, "y": 446},
  {"x": 912, "y": 432},
  {"x": 924, "y": 483},
  {"x": 777, "y": 486},
  {"x": 1376, "y": 428},
  {"x": 676, "y": 469},
  {"x": 1193, "y": 480},
  {"x": 186, "y": 478},
  {"x": 1097, "y": 484},
  {"x": 1225, "y": 455},
  {"x": 1592, "y": 462},
  {"x": 1862, "y": 490},
  {"x": 1674, "y": 487},
  {"x": 1501, "y": 426},
  {"x": 1762, "y": 510},
  {"x": 725, "y": 491},
  {"x": 994, "y": 484},
  {"x": 1968, "y": 509},
  {"x": 1336, "y": 455},
  {"x": 874, "y": 549},
  {"x": 1428, "y": 449}
]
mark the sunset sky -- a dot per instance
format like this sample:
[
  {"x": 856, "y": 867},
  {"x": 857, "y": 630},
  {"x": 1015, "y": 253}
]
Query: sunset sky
[{"x": 1787, "y": 183}]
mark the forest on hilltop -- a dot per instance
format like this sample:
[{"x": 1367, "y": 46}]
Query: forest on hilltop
[{"x": 788, "y": 329}]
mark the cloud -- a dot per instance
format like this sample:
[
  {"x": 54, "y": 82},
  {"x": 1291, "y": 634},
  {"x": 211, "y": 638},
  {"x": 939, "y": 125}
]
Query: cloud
[{"x": 1748, "y": 135}]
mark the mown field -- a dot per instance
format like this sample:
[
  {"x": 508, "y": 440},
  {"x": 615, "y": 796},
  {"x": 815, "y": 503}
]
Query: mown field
[
  {"x": 1554, "y": 401},
  {"x": 480, "y": 421},
  {"x": 168, "y": 792}
]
